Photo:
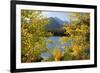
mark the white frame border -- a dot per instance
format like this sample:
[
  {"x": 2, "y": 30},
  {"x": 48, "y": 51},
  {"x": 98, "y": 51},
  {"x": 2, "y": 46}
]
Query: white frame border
[{"x": 20, "y": 65}]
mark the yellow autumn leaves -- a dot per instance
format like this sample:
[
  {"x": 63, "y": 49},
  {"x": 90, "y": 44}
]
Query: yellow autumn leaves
[
  {"x": 76, "y": 50},
  {"x": 32, "y": 35},
  {"x": 34, "y": 38},
  {"x": 57, "y": 54}
]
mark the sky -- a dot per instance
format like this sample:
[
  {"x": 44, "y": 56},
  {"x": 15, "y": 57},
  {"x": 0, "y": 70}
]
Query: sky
[{"x": 61, "y": 15}]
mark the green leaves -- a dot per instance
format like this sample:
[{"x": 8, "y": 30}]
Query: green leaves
[
  {"x": 32, "y": 32},
  {"x": 79, "y": 31},
  {"x": 34, "y": 38}
]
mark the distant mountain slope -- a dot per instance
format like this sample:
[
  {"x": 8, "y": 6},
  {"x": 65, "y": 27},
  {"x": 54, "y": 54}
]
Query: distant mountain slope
[{"x": 55, "y": 25}]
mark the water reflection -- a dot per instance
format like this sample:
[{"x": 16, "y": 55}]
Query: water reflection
[{"x": 56, "y": 43}]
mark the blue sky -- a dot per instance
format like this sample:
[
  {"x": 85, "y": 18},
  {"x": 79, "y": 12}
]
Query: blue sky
[{"x": 61, "y": 15}]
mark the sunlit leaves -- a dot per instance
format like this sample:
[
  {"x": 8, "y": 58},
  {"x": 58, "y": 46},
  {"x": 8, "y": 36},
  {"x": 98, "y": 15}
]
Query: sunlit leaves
[
  {"x": 35, "y": 38},
  {"x": 78, "y": 29},
  {"x": 63, "y": 40},
  {"x": 57, "y": 54},
  {"x": 32, "y": 35}
]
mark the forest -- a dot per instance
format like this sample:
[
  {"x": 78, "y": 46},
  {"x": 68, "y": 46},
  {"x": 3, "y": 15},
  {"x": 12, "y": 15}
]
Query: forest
[{"x": 45, "y": 39}]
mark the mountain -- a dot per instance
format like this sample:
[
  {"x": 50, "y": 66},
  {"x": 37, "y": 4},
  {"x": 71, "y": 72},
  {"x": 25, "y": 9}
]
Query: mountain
[{"x": 55, "y": 25}]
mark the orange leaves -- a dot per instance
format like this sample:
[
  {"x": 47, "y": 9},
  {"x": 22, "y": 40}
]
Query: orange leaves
[
  {"x": 57, "y": 54},
  {"x": 76, "y": 50}
]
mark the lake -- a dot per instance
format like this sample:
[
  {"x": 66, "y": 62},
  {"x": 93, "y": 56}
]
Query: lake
[{"x": 57, "y": 44}]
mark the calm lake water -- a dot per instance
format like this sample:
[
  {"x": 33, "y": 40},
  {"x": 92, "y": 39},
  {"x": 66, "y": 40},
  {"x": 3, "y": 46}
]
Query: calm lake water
[{"x": 57, "y": 44}]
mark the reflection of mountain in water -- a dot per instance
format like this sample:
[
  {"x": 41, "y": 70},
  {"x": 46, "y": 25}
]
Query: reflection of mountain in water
[{"x": 56, "y": 26}]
